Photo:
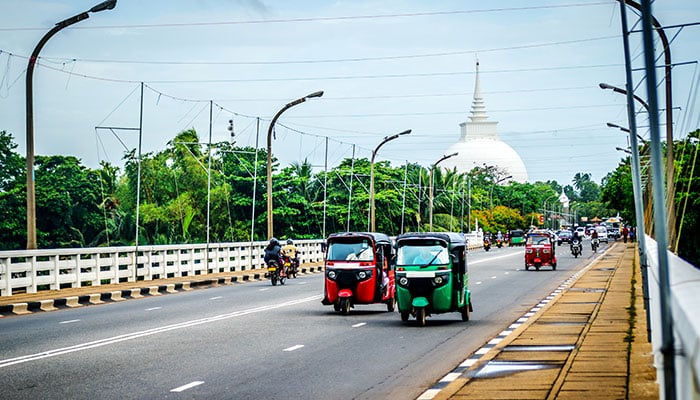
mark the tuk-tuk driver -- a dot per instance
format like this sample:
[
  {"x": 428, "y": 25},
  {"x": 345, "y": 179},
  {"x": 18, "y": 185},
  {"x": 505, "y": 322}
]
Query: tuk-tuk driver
[{"x": 423, "y": 256}]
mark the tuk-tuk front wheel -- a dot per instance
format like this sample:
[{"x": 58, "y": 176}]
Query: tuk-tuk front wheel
[
  {"x": 336, "y": 307},
  {"x": 420, "y": 316},
  {"x": 345, "y": 306},
  {"x": 404, "y": 316}
]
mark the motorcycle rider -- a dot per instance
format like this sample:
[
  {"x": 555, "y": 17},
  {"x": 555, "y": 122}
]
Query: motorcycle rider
[
  {"x": 576, "y": 240},
  {"x": 290, "y": 250},
  {"x": 594, "y": 239},
  {"x": 272, "y": 253}
]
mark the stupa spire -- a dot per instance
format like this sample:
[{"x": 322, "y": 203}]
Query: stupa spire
[{"x": 478, "y": 111}]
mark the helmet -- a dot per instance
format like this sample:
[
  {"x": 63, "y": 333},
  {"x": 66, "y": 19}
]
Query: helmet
[
  {"x": 274, "y": 241},
  {"x": 290, "y": 241}
]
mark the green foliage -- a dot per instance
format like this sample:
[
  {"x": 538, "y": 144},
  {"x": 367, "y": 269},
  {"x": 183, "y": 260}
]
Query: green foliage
[{"x": 185, "y": 182}]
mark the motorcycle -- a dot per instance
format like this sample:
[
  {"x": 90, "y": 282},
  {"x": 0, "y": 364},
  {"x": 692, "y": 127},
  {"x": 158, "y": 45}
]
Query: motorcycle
[
  {"x": 276, "y": 272},
  {"x": 499, "y": 243},
  {"x": 576, "y": 248},
  {"x": 291, "y": 266},
  {"x": 595, "y": 243},
  {"x": 487, "y": 244}
]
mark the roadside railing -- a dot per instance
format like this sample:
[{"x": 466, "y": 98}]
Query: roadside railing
[
  {"x": 684, "y": 302},
  {"x": 30, "y": 271}
]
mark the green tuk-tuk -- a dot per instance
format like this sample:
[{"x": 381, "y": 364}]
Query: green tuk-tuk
[
  {"x": 431, "y": 275},
  {"x": 516, "y": 237}
]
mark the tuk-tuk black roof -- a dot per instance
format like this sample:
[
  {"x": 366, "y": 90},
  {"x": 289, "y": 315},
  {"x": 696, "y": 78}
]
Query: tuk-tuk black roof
[
  {"x": 377, "y": 237},
  {"x": 453, "y": 238}
]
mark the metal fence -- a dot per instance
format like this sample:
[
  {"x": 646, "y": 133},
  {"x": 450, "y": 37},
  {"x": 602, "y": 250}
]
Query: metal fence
[{"x": 684, "y": 302}]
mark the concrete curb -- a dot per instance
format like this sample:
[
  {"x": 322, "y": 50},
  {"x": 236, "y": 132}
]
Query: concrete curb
[{"x": 131, "y": 293}]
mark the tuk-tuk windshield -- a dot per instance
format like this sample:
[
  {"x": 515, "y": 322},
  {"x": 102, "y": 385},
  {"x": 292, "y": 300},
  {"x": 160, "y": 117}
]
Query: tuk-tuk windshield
[
  {"x": 423, "y": 253},
  {"x": 538, "y": 239},
  {"x": 350, "y": 250}
]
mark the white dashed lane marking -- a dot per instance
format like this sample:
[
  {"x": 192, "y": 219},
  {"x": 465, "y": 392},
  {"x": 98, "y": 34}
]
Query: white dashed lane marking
[
  {"x": 359, "y": 325},
  {"x": 185, "y": 387},
  {"x": 216, "y": 298},
  {"x": 70, "y": 321},
  {"x": 297, "y": 347},
  {"x": 153, "y": 308}
]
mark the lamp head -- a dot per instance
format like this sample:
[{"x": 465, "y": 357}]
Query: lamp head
[
  {"x": 314, "y": 94},
  {"x": 105, "y": 5}
]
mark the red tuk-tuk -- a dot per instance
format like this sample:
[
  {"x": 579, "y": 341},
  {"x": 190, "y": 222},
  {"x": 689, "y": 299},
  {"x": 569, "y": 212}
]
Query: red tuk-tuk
[
  {"x": 359, "y": 270},
  {"x": 540, "y": 250}
]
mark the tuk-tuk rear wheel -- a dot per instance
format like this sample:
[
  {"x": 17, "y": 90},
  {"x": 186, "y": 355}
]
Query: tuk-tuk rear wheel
[
  {"x": 391, "y": 304},
  {"x": 465, "y": 312},
  {"x": 404, "y": 316},
  {"x": 336, "y": 306}
]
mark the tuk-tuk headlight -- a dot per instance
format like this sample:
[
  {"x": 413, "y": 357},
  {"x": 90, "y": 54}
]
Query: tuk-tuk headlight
[
  {"x": 441, "y": 280},
  {"x": 403, "y": 281},
  {"x": 529, "y": 251},
  {"x": 363, "y": 275},
  {"x": 331, "y": 275}
]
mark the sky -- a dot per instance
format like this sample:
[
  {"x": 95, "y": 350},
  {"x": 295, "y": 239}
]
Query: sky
[{"x": 384, "y": 66}]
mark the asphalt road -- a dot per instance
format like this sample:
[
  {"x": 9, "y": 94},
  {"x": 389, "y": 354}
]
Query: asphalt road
[{"x": 255, "y": 341}]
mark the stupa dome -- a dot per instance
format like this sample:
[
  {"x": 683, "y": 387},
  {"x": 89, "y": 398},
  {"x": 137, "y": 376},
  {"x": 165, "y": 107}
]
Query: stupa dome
[{"x": 479, "y": 144}]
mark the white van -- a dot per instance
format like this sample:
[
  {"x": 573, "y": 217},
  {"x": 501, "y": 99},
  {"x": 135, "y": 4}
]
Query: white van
[{"x": 602, "y": 233}]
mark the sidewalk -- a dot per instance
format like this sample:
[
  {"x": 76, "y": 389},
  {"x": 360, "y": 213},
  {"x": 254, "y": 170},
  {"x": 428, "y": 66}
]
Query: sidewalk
[{"x": 573, "y": 345}]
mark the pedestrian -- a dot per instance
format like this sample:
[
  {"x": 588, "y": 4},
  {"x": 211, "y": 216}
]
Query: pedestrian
[
  {"x": 625, "y": 233},
  {"x": 633, "y": 234}
]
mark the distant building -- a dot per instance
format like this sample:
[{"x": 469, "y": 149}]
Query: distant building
[{"x": 479, "y": 144}]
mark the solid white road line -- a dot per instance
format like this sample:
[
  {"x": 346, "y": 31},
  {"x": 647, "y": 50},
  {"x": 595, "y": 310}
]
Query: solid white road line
[
  {"x": 188, "y": 386},
  {"x": 153, "y": 331}
]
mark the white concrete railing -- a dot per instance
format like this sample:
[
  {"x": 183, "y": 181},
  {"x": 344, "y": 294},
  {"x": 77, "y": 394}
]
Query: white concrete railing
[
  {"x": 30, "y": 271},
  {"x": 684, "y": 303}
]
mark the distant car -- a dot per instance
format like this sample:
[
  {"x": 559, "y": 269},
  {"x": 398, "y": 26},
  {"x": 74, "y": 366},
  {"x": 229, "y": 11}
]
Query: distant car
[
  {"x": 565, "y": 236},
  {"x": 602, "y": 233},
  {"x": 581, "y": 231}
]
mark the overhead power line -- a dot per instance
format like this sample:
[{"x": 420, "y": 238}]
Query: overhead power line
[
  {"x": 323, "y": 19},
  {"x": 332, "y": 60}
]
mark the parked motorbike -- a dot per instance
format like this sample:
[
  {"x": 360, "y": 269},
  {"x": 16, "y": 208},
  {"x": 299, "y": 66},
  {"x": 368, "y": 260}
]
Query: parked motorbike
[
  {"x": 276, "y": 272},
  {"x": 595, "y": 243},
  {"x": 576, "y": 248},
  {"x": 487, "y": 244}
]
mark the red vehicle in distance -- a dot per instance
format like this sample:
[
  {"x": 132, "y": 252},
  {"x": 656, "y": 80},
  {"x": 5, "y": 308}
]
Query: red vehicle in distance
[{"x": 540, "y": 250}]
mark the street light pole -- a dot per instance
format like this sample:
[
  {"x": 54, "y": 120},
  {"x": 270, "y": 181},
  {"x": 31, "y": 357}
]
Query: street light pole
[
  {"x": 670, "y": 169},
  {"x": 430, "y": 198},
  {"x": 31, "y": 199},
  {"x": 491, "y": 191},
  {"x": 372, "y": 224},
  {"x": 627, "y": 131},
  {"x": 269, "y": 155}
]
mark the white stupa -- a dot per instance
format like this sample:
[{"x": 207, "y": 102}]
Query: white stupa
[{"x": 480, "y": 145}]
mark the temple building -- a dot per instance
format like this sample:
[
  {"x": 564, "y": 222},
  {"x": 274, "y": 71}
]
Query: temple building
[{"x": 480, "y": 146}]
